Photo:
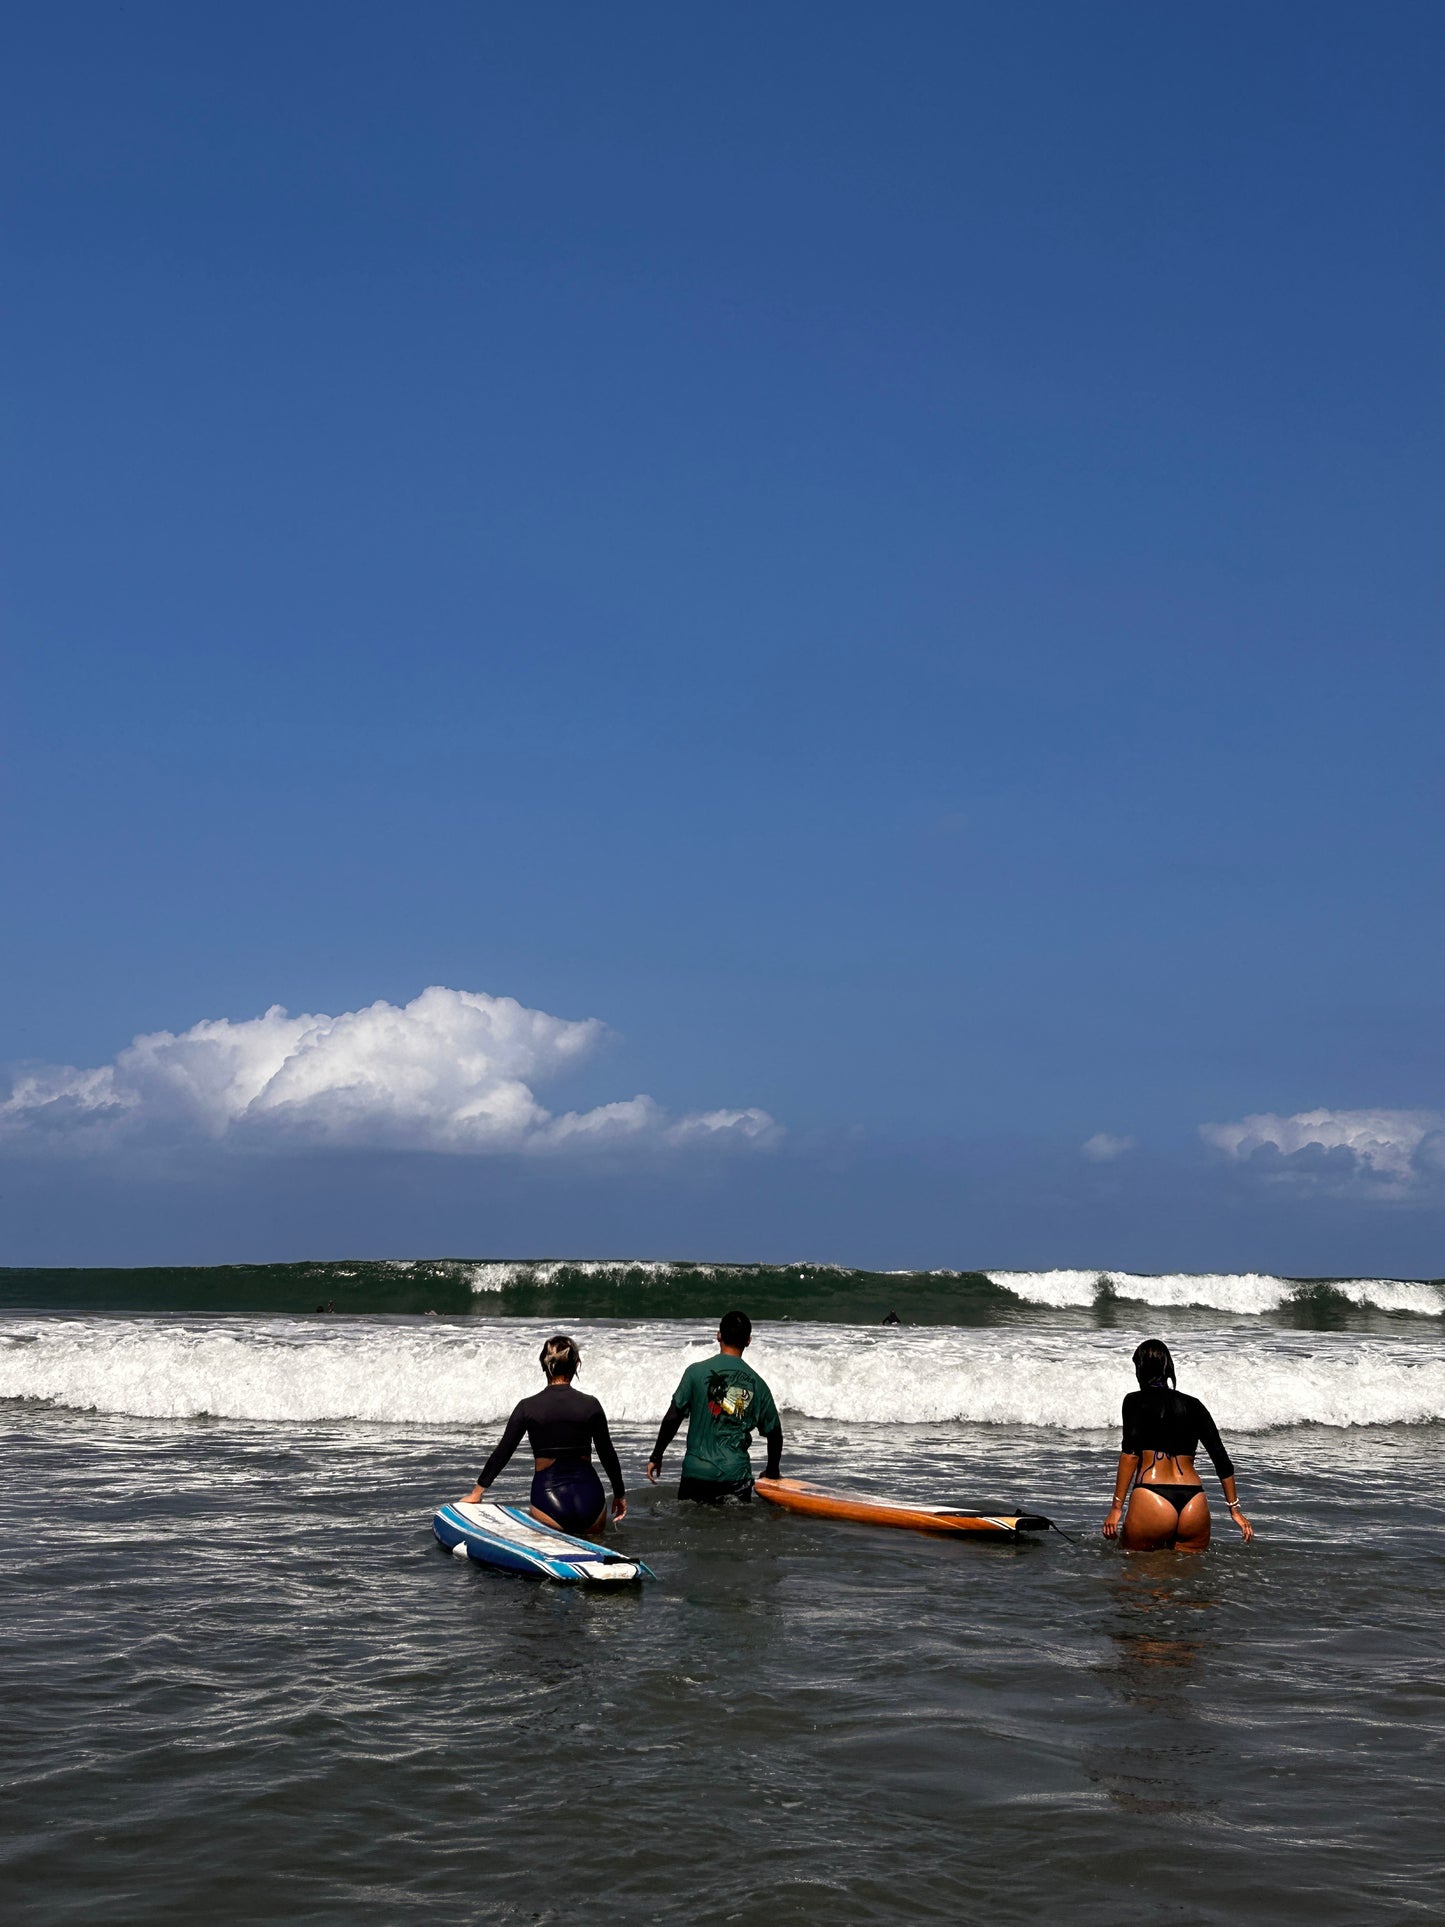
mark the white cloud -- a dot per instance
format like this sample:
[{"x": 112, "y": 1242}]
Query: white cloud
[
  {"x": 453, "y": 1070},
  {"x": 1103, "y": 1147},
  {"x": 1390, "y": 1152}
]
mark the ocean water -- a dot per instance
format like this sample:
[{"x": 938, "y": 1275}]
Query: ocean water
[{"x": 242, "y": 1682}]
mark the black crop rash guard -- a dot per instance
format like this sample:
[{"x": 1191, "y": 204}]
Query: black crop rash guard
[
  {"x": 1159, "y": 1420},
  {"x": 559, "y": 1424}
]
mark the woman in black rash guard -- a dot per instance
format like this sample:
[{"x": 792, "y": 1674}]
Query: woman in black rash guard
[
  {"x": 1163, "y": 1429},
  {"x": 561, "y": 1426}
]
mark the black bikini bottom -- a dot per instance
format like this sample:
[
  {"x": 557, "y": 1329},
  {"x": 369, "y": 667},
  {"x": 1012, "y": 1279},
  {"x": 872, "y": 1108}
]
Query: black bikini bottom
[{"x": 1177, "y": 1495}]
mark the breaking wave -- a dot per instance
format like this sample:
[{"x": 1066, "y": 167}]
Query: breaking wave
[
  {"x": 574, "y": 1288},
  {"x": 471, "y": 1373},
  {"x": 1248, "y": 1293}
]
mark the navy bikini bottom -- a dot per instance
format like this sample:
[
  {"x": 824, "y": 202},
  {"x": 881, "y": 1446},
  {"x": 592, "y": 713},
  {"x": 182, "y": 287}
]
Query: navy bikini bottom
[{"x": 570, "y": 1492}]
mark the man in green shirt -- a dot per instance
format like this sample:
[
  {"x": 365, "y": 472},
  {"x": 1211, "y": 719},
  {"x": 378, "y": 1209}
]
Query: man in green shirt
[{"x": 724, "y": 1402}]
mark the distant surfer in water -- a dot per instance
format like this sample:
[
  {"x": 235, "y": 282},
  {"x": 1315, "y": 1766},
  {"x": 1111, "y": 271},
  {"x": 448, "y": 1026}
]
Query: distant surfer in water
[
  {"x": 561, "y": 1426},
  {"x": 1163, "y": 1429},
  {"x": 724, "y": 1401},
  {"x": 893, "y": 1319}
]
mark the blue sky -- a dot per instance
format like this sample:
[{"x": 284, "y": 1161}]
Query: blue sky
[{"x": 889, "y": 555}]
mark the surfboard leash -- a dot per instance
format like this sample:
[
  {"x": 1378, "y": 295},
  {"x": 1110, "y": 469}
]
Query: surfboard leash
[{"x": 1022, "y": 1513}]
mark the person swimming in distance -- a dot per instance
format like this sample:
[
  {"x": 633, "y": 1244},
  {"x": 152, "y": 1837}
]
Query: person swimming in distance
[
  {"x": 561, "y": 1426},
  {"x": 723, "y": 1401},
  {"x": 893, "y": 1319},
  {"x": 1163, "y": 1429}
]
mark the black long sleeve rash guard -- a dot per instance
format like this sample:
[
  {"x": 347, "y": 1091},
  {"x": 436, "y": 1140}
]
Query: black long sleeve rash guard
[
  {"x": 1169, "y": 1423},
  {"x": 559, "y": 1423}
]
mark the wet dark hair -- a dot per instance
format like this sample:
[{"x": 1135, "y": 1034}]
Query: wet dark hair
[
  {"x": 560, "y": 1357},
  {"x": 735, "y": 1328},
  {"x": 1153, "y": 1364}
]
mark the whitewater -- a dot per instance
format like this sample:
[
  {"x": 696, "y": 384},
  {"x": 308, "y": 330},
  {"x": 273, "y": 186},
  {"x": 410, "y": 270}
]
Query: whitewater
[
  {"x": 1246, "y": 1294},
  {"x": 428, "y": 1373}
]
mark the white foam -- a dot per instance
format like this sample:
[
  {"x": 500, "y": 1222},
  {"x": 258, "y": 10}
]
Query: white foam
[
  {"x": 1247, "y": 1293},
  {"x": 500, "y": 1274},
  {"x": 492, "y": 1277},
  {"x": 1391, "y": 1294},
  {"x": 1050, "y": 1287},
  {"x": 383, "y": 1372}
]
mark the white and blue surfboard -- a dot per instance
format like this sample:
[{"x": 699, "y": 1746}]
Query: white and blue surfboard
[{"x": 509, "y": 1537}]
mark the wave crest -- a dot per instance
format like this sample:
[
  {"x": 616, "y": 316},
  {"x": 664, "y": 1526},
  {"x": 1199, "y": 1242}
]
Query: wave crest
[{"x": 1248, "y": 1293}]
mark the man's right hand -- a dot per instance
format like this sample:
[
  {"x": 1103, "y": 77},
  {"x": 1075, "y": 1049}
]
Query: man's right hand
[{"x": 654, "y": 1471}]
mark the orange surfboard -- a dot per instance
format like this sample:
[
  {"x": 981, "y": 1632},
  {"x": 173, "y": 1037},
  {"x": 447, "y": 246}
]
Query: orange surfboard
[{"x": 794, "y": 1495}]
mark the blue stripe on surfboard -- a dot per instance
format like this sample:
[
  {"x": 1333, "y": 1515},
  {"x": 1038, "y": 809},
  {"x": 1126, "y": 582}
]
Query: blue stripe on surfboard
[
  {"x": 499, "y": 1542},
  {"x": 538, "y": 1546},
  {"x": 453, "y": 1528},
  {"x": 567, "y": 1548},
  {"x": 506, "y": 1554}
]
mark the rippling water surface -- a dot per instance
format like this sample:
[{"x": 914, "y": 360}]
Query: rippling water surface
[{"x": 242, "y": 1682}]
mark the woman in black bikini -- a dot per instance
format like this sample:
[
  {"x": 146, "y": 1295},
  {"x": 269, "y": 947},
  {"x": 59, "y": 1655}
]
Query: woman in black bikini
[
  {"x": 561, "y": 1427},
  {"x": 1163, "y": 1429}
]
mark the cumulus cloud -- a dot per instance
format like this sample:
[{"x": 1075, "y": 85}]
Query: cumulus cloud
[
  {"x": 1103, "y": 1147},
  {"x": 1388, "y": 1152},
  {"x": 453, "y": 1070}
]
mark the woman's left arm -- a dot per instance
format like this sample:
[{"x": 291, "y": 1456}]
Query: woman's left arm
[{"x": 1123, "y": 1479}]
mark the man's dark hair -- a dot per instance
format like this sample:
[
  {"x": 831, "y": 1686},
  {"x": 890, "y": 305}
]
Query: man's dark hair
[{"x": 735, "y": 1328}]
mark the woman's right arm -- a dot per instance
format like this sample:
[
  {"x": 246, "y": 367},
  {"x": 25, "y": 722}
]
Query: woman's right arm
[{"x": 1131, "y": 1447}]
